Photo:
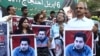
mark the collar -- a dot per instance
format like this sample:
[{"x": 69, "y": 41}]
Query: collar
[
  {"x": 24, "y": 51},
  {"x": 82, "y": 19},
  {"x": 83, "y": 49}
]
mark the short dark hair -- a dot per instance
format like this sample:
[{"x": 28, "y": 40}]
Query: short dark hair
[
  {"x": 8, "y": 7},
  {"x": 81, "y": 35},
  {"x": 42, "y": 29},
  {"x": 23, "y": 8},
  {"x": 52, "y": 12},
  {"x": 24, "y": 38}
]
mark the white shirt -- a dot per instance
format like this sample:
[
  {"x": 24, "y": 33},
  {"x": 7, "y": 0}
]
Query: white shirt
[
  {"x": 54, "y": 32},
  {"x": 80, "y": 23},
  {"x": 5, "y": 18}
]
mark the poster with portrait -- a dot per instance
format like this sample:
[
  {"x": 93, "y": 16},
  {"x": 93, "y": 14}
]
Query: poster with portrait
[
  {"x": 35, "y": 29},
  {"x": 23, "y": 44},
  {"x": 42, "y": 39},
  {"x": 72, "y": 40},
  {"x": 15, "y": 22},
  {"x": 4, "y": 39}
]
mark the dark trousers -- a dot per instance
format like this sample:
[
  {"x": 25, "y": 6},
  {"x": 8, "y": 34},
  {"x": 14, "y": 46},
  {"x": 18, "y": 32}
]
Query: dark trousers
[{"x": 43, "y": 51}]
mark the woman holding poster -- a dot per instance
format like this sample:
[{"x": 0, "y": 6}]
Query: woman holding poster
[{"x": 23, "y": 27}]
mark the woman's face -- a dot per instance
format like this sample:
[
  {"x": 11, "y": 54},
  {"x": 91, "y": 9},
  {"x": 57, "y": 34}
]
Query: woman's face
[
  {"x": 40, "y": 18},
  {"x": 25, "y": 24},
  {"x": 60, "y": 17}
]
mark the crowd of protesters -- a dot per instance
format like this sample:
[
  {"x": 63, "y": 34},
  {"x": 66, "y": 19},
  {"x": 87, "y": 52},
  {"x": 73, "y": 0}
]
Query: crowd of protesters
[{"x": 58, "y": 21}]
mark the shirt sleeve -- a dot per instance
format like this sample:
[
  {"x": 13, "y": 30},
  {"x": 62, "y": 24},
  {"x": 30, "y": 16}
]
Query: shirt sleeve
[
  {"x": 4, "y": 19},
  {"x": 15, "y": 52},
  {"x": 33, "y": 51},
  {"x": 89, "y": 51},
  {"x": 67, "y": 51}
]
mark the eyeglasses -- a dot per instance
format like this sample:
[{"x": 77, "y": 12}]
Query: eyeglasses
[{"x": 79, "y": 8}]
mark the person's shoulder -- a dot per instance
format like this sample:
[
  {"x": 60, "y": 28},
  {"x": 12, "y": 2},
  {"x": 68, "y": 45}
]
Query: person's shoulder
[
  {"x": 17, "y": 31},
  {"x": 73, "y": 19},
  {"x": 87, "y": 47},
  {"x": 69, "y": 46},
  {"x": 47, "y": 38},
  {"x": 16, "y": 49},
  {"x": 30, "y": 31},
  {"x": 31, "y": 49},
  {"x": 5, "y": 17},
  {"x": 88, "y": 50},
  {"x": 88, "y": 19}
]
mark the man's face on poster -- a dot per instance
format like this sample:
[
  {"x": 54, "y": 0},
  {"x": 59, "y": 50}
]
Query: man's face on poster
[
  {"x": 41, "y": 34},
  {"x": 24, "y": 45},
  {"x": 78, "y": 43}
]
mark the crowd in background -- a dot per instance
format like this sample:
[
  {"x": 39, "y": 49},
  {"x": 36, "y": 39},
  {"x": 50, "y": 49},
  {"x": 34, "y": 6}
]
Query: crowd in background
[{"x": 58, "y": 21}]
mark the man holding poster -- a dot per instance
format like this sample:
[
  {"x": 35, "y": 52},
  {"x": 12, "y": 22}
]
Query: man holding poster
[{"x": 80, "y": 21}]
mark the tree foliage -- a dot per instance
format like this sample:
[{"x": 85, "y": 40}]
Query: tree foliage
[{"x": 92, "y": 5}]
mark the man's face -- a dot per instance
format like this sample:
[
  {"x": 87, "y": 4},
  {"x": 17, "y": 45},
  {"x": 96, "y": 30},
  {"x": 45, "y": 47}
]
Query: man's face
[
  {"x": 53, "y": 15},
  {"x": 88, "y": 14},
  {"x": 79, "y": 43},
  {"x": 24, "y": 45},
  {"x": 25, "y": 11},
  {"x": 41, "y": 34},
  {"x": 12, "y": 11},
  {"x": 80, "y": 9}
]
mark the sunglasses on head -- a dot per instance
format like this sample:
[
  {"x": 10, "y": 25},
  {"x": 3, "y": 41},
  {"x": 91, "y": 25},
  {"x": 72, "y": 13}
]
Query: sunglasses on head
[{"x": 41, "y": 18}]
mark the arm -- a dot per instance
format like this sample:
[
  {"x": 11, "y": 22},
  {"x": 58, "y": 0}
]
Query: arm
[{"x": 49, "y": 42}]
